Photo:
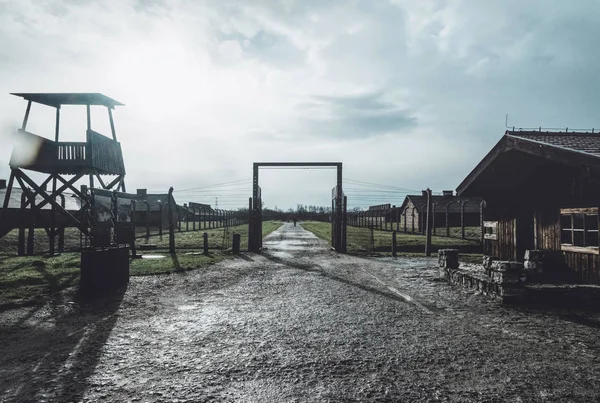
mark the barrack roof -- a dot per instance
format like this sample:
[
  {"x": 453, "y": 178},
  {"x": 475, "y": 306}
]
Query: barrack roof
[{"x": 57, "y": 99}]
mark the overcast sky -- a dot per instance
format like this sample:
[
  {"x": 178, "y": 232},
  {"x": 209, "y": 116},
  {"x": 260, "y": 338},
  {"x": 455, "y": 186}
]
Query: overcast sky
[{"x": 406, "y": 93}]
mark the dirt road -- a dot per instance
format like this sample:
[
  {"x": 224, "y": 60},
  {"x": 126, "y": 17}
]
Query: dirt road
[{"x": 297, "y": 323}]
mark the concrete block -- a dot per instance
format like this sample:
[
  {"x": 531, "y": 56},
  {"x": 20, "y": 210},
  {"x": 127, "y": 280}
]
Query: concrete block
[{"x": 104, "y": 270}]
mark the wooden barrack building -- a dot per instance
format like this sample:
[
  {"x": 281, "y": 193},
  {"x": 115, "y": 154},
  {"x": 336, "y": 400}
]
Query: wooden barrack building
[{"x": 542, "y": 192}]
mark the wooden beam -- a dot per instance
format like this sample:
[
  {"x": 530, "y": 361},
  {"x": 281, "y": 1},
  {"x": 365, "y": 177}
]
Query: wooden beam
[
  {"x": 26, "y": 118},
  {"x": 73, "y": 188},
  {"x": 585, "y": 210},
  {"x": 38, "y": 190},
  {"x": 8, "y": 190},
  {"x": 47, "y": 198},
  {"x": 101, "y": 181},
  {"x": 593, "y": 250},
  {"x": 114, "y": 182},
  {"x": 112, "y": 124}
]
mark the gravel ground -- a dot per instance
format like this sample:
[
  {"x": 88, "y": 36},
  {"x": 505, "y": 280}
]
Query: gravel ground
[{"x": 297, "y": 323}]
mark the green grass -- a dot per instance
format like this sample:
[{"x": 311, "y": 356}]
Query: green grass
[
  {"x": 25, "y": 279},
  {"x": 359, "y": 240}
]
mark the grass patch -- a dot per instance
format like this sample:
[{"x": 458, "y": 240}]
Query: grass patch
[
  {"x": 361, "y": 240},
  {"x": 25, "y": 279}
]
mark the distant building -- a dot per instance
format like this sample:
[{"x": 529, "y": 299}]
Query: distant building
[{"x": 446, "y": 207}]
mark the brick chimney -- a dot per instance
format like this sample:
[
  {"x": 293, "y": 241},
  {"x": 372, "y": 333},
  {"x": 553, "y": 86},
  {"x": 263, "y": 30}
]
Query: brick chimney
[
  {"x": 142, "y": 192},
  {"x": 2, "y": 183},
  {"x": 448, "y": 192}
]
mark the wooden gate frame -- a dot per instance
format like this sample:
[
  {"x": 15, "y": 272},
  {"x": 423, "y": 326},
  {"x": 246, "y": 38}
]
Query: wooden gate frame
[{"x": 255, "y": 205}]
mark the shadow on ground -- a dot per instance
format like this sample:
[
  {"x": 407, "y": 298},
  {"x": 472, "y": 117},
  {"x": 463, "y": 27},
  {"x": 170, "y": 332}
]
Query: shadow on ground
[{"x": 57, "y": 347}]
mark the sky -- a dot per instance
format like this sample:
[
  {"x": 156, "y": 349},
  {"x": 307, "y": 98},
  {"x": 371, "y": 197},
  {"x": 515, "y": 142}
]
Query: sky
[{"x": 406, "y": 94}]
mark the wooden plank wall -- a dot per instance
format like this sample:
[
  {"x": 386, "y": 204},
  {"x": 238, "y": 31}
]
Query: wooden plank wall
[
  {"x": 504, "y": 247},
  {"x": 106, "y": 154},
  {"x": 585, "y": 265}
]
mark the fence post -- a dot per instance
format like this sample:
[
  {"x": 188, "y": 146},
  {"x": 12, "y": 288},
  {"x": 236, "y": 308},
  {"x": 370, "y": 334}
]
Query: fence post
[
  {"x": 372, "y": 239},
  {"x": 235, "y": 245},
  {"x": 448, "y": 219},
  {"x": 194, "y": 217},
  {"x": 205, "y": 242},
  {"x": 160, "y": 219},
  {"x": 187, "y": 219},
  {"x": 178, "y": 218},
  {"x": 394, "y": 244},
  {"x": 133, "y": 248},
  {"x": 428, "y": 225},
  {"x": 171, "y": 223}
]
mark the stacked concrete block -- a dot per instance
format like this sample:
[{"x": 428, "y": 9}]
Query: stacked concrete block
[
  {"x": 447, "y": 260},
  {"x": 487, "y": 265},
  {"x": 509, "y": 278},
  {"x": 534, "y": 265}
]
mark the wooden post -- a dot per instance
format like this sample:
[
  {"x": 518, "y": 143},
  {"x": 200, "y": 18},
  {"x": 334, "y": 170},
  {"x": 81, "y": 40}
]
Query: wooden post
[
  {"x": 394, "y": 244},
  {"x": 52, "y": 234},
  {"x": 171, "y": 223},
  {"x": 333, "y": 237},
  {"x": 250, "y": 226},
  {"x": 22, "y": 221},
  {"x": 205, "y": 242},
  {"x": 31, "y": 233},
  {"x": 61, "y": 230},
  {"x": 428, "y": 225},
  {"x": 133, "y": 212},
  {"x": 462, "y": 218},
  {"x": 89, "y": 117}
]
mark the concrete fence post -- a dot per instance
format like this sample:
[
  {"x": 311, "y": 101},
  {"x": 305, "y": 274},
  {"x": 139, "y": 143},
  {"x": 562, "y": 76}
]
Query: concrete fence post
[{"x": 205, "y": 243}]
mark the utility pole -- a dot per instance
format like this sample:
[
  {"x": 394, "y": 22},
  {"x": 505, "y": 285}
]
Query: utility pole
[{"x": 216, "y": 203}]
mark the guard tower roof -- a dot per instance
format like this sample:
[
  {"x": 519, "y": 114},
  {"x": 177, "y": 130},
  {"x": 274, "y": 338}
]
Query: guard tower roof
[{"x": 57, "y": 99}]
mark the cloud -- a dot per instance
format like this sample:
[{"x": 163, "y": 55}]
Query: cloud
[
  {"x": 356, "y": 116},
  {"x": 410, "y": 93}
]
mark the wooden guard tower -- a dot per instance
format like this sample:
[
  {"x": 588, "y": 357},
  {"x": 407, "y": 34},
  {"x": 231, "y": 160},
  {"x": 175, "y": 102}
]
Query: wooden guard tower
[{"x": 65, "y": 163}]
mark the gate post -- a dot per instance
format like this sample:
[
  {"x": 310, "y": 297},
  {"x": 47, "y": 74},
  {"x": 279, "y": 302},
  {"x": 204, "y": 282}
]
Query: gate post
[{"x": 344, "y": 225}]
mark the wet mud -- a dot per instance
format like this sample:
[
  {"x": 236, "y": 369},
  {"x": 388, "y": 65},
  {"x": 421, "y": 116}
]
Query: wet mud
[{"x": 297, "y": 323}]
